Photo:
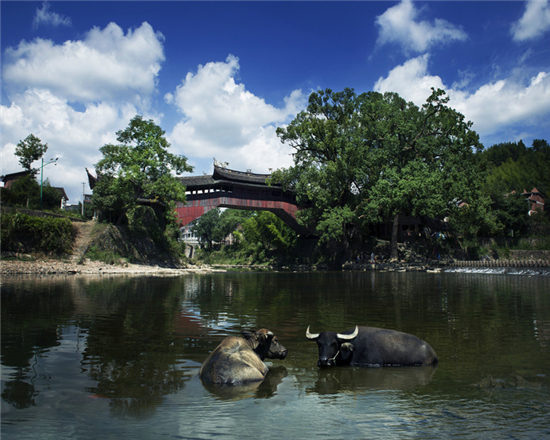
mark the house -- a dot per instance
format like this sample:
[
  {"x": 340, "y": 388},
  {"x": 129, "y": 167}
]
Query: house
[
  {"x": 9, "y": 179},
  {"x": 63, "y": 198},
  {"x": 535, "y": 200}
]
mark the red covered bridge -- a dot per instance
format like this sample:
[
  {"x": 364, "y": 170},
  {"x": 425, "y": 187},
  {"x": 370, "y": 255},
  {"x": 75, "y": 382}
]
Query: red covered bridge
[{"x": 236, "y": 189}]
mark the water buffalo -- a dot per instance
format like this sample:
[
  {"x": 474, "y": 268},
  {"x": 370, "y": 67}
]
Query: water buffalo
[
  {"x": 239, "y": 360},
  {"x": 372, "y": 347}
]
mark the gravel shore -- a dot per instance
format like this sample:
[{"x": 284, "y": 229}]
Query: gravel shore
[{"x": 51, "y": 266}]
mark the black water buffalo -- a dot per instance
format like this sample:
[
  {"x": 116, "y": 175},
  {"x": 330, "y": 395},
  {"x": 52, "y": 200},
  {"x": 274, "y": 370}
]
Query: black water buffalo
[
  {"x": 239, "y": 360},
  {"x": 372, "y": 347}
]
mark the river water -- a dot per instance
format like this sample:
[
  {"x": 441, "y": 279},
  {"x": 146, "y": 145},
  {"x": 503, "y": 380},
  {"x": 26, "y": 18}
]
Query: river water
[{"x": 118, "y": 357}]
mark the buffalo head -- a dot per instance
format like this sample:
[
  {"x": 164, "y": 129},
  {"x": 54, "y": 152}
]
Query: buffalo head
[
  {"x": 334, "y": 348},
  {"x": 265, "y": 344}
]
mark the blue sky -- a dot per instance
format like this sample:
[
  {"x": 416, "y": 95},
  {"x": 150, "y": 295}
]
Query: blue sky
[{"x": 219, "y": 77}]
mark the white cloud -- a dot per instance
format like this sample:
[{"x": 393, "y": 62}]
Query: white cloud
[
  {"x": 534, "y": 22},
  {"x": 44, "y": 15},
  {"x": 106, "y": 65},
  {"x": 410, "y": 80},
  {"x": 399, "y": 24},
  {"x": 492, "y": 107},
  {"x": 75, "y": 96},
  {"x": 224, "y": 120},
  {"x": 73, "y": 136}
]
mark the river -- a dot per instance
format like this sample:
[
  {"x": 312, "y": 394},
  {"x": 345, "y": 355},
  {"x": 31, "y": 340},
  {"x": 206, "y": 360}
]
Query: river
[{"x": 87, "y": 357}]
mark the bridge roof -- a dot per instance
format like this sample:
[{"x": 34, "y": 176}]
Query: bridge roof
[
  {"x": 240, "y": 176},
  {"x": 226, "y": 175}
]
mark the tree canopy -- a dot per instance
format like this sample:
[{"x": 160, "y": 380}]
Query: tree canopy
[
  {"x": 29, "y": 150},
  {"x": 514, "y": 167},
  {"x": 361, "y": 159},
  {"x": 138, "y": 170}
]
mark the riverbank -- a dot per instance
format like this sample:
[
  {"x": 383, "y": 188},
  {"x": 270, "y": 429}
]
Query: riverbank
[
  {"x": 44, "y": 266},
  {"x": 53, "y": 266}
]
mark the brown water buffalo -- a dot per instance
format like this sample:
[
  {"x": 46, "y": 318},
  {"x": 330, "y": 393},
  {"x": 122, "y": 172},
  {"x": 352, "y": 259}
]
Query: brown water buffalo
[
  {"x": 239, "y": 360},
  {"x": 372, "y": 347}
]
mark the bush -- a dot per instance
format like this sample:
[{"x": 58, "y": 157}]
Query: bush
[{"x": 25, "y": 233}]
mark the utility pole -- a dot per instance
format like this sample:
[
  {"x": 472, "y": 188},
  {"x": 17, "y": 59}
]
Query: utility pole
[
  {"x": 83, "y": 197},
  {"x": 54, "y": 161}
]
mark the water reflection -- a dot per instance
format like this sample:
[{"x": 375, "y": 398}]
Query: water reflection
[
  {"x": 260, "y": 390},
  {"x": 125, "y": 352},
  {"x": 26, "y": 334},
  {"x": 355, "y": 379},
  {"x": 128, "y": 329}
]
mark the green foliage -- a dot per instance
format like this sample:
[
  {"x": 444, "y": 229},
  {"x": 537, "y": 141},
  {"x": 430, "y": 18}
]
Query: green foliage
[
  {"x": 362, "y": 159},
  {"x": 206, "y": 228},
  {"x": 510, "y": 210},
  {"x": 29, "y": 150},
  {"x": 136, "y": 170},
  {"x": 25, "y": 192},
  {"x": 25, "y": 233},
  {"x": 215, "y": 225},
  {"x": 513, "y": 167},
  {"x": 266, "y": 235},
  {"x": 259, "y": 236},
  {"x": 142, "y": 221}
]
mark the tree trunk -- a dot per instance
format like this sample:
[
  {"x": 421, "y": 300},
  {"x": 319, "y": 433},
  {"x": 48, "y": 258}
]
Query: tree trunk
[{"x": 394, "y": 233}]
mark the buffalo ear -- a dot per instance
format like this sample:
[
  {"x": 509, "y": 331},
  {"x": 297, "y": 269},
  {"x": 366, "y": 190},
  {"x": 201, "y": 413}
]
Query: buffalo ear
[
  {"x": 252, "y": 337},
  {"x": 265, "y": 335},
  {"x": 248, "y": 334}
]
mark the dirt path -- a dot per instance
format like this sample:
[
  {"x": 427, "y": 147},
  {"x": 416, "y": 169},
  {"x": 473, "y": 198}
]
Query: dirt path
[{"x": 83, "y": 239}]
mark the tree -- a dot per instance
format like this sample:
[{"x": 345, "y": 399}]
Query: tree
[
  {"x": 513, "y": 167},
  {"x": 215, "y": 225},
  {"x": 29, "y": 150},
  {"x": 206, "y": 228},
  {"x": 361, "y": 159},
  {"x": 266, "y": 235},
  {"x": 139, "y": 171}
]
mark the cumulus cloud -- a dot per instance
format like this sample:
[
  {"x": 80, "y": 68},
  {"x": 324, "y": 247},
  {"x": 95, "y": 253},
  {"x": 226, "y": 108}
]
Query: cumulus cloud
[
  {"x": 75, "y": 96},
  {"x": 44, "y": 15},
  {"x": 491, "y": 107},
  {"x": 73, "y": 136},
  {"x": 534, "y": 22},
  {"x": 106, "y": 65},
  {"x": 224, "y": 120},
  {"x": 399, "y": 24}
]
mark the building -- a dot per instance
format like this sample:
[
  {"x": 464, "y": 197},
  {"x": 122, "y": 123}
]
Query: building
[
  {"x": 9, "y": 179},
  {"x": 535, "y": 200},
  {"x": 63, "y": 197}
]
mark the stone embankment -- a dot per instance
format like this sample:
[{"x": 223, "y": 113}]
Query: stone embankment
[
  {"x": 438, "y": 266},
  {"x": 502, "y": 263}
]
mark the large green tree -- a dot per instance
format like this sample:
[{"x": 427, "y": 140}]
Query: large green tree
[
  {"x": 207, "y": 228},
  {"x": 139, "y": 171},
  {"x": 29, "y": 150},
  {"x": 361, "y": 159}
]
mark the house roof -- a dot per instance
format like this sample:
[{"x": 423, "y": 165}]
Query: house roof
[
  {"x": 61, "y": 192},
  {"x": 13, "y": 176}
]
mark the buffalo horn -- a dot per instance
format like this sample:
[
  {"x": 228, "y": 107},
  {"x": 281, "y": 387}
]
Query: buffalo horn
[
  {"x": 311, "y": 335},
  {"x": 348, "y": 337}
]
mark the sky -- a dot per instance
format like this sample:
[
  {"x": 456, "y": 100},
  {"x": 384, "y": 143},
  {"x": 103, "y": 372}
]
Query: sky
[{"x": 220, "y": 77}]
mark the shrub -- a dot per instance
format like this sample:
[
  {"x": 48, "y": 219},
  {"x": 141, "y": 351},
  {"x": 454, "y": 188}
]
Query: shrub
[{"x": 25, "y": 233}]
